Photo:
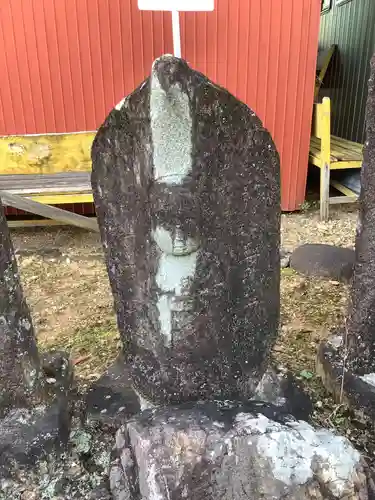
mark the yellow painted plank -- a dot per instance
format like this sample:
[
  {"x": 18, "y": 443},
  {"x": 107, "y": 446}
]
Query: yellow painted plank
[
  {"x": 61, "y": 199},
  {"x": 341, "y": 165},
  {"x": 46, "y": 154},
  {"x": 317, "y": 120},
  {"x": 325, "y": 125}
]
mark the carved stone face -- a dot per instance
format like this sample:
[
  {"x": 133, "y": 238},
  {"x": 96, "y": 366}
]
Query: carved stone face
[{"x": 174, "y": 243}]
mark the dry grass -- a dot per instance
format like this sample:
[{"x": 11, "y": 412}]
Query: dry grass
[
  {"x": 69, "y": 296},
  {"x": 311, "y": 307}
]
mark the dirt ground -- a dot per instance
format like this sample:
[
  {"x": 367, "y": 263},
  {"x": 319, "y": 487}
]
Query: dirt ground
[{"x": 66, "y": 286}]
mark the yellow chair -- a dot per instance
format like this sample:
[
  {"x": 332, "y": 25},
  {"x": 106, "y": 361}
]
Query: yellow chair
[{"x": 329, "y": 152}]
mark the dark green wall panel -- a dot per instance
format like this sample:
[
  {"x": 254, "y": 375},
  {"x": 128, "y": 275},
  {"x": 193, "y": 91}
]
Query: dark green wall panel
[{"x": 351, "y": 26}]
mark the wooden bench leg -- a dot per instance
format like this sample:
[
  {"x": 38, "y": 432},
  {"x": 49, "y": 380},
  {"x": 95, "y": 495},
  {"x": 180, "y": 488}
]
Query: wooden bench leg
[
  {"x": 324, "y": 192},
  {"x": 34, "y": 207}
]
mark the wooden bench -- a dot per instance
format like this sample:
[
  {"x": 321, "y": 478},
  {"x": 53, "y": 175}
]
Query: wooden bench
[
  {"x": 37, "y": 172},
  {"x": 329, "y": 152}
]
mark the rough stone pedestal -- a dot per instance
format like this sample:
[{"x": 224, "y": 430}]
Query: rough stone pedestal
[{"x": 233, "y": 452}]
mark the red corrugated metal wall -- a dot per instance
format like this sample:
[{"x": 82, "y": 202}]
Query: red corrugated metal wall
[{"x": 65, "y": 63}]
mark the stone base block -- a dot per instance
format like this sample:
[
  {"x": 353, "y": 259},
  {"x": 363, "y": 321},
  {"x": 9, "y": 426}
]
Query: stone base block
[
  {"x": 233, "y": 451},
  {"x": 356, "y": 391}
]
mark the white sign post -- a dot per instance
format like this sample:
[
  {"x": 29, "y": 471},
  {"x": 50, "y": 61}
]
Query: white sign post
[
  {"x": 175, "y": 6},
  {"x": 176, "y": 33}
]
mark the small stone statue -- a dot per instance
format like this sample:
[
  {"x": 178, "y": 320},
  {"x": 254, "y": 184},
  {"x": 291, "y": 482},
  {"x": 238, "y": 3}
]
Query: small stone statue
[{"x": 186, "y": 188}]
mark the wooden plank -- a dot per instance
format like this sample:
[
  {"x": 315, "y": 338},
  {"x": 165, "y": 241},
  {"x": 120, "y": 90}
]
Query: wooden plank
[
  {"x": 338, "y": 153},
  {"x": 314, "y": 148},
  {"x": 345, "y": 154},
  {"x": 344, "y": 143},
  {"x": 35, "y": 223},
  {"x": 73, "y": 180},
  {"x": 315, "y": 141},
  {"x": 350, "y": 144},
  {"x": 315, "y": 153},
  {"x": 346, "y": 148},
  {"x": 336, "y": 200},
  {"x": 48, "y": 211},
  {"x": 340, "y": 148},
  {"x": 39, "y": 189}
]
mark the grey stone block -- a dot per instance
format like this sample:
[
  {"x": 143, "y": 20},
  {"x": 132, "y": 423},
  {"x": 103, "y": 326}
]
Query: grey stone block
[{"x": 233, "y": 452}]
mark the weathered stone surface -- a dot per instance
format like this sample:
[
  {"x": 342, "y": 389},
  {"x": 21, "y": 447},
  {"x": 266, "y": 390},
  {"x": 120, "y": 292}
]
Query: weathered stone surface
[
  {"x": 326, "y": 261},
  {"x": 186, "y": 188},
  {"x": 34, "y": 403},
  {"x": 111, "y": 399},
  {"x": 78, "y": 474},
  {"x": 234, "y": 453},
  {"x": 361, "y": 321},
  {"x": 27, "y": 435},
  {"x": 19, "y": 361}
]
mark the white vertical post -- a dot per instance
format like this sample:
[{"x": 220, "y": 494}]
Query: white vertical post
[{"x": 176, "y": 33}]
